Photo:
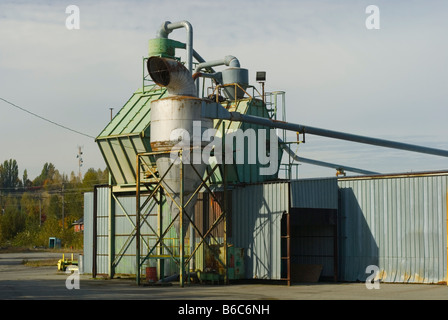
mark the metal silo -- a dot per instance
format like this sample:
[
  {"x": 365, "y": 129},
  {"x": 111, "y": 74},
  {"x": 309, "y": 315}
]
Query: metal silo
[{"x": 172, "y": 129}]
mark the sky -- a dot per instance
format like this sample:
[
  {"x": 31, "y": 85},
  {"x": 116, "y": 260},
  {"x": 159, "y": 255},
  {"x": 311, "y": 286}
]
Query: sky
[{"x": 388, "y": 83}]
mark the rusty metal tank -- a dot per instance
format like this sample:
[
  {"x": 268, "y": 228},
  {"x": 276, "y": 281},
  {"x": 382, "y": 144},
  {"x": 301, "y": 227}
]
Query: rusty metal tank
[{"x": 176, "y": 124}]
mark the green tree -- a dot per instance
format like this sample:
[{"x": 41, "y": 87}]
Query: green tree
[
  {"x": 13, "y": 220},
  {"x": 74, "y": 203},
  {"x": 94, "y": 177},
  {"x": 54, "y": 207},
  {"x": 25, "y": 181},
  {"x": 30, "y": 206},
  {"x": 46, "y": 176},
  {"x": 57, "y": 194},
  {"x": 9, "y": 175}
]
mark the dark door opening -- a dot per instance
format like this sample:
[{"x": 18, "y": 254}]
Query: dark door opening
[{"x": 313, "y": 245}]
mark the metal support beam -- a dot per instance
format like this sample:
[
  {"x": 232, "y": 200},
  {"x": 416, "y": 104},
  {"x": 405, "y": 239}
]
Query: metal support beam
[
  {"x": 137, "y": 222},
  {"x": 294, "y": 156},
  {"x": 95, "y": 232},
  {"x": 111, "y": 227},
  {"x": 226, "y": 275},
  {"x": 181, "y": 223}
]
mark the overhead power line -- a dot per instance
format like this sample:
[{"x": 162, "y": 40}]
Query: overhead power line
[{"x": 45, "y": 119}]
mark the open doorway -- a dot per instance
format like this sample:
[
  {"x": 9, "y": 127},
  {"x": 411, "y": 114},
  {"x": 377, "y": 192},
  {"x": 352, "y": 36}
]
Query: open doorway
[{"x": 313, "y": 245}]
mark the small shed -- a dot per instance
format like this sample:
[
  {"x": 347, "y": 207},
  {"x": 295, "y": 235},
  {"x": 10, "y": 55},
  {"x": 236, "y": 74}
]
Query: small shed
[{"x": 54, "y": 243}]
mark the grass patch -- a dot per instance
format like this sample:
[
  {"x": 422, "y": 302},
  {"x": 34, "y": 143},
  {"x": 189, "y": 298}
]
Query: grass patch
[{"x": 10, "y": 249}]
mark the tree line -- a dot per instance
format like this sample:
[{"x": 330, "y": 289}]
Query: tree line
[{"x": 32, "y": 211}]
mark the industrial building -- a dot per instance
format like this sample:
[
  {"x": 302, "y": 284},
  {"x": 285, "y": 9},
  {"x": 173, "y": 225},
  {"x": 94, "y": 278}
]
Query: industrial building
[{"x": 228, "y": 216}]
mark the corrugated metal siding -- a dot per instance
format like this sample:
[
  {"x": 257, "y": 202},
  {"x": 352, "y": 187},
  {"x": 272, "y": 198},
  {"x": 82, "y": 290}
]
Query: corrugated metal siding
[
  {"x": 314, "y": 193},
  {"x": 88, "y": 232},
  {"x": 124, "y": 222},
  {"x": 396, "y": 223},
  {"x": 256, "y": 226},
  {"x": 102, "y": 231}
]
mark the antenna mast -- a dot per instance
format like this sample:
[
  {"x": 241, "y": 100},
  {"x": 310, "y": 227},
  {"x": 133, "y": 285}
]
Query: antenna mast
[{"x": 80, "y": 161}]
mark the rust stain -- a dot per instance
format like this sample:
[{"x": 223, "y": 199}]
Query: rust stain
[
  {"x": 180, "y": 98},
  {"x": 278, "y": 121},
  {"x": 406, "y": 277},
  {"x": 382, "y": 275},
  {"x": 418, "y": 278},
  {"x": 196, "y": 75},
  {"x": 162, "y": 145},
  {"x": 211, "y": 264}
]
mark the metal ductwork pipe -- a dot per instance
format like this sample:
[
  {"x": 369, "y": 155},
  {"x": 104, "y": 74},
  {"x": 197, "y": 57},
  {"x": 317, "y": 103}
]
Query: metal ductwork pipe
[
  {"x": 167, "y": 27},
  {"x": 223, "y": 114},
  {"x": 229, "y": 61},
  {"x": 171, "y": 74},
  {"x": 232, "y": 75}
]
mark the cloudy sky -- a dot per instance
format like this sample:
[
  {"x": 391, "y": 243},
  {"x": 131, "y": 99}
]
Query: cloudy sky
[{"x": 389, "y": 83}]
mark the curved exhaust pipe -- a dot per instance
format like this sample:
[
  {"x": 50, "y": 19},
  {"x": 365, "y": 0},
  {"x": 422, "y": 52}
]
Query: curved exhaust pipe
[
  {"x": 173, "y": 75},
  {"x": 167, "y": 27}
]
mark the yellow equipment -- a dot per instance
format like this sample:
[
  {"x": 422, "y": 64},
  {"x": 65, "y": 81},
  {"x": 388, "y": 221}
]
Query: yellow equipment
[{"x": 63, "y": 263}]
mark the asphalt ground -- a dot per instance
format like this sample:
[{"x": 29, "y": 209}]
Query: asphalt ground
[{"x": 20, "y": 282}]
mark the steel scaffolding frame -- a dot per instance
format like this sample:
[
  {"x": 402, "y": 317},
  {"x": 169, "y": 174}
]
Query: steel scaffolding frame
[{"x": 155, "y": 187}]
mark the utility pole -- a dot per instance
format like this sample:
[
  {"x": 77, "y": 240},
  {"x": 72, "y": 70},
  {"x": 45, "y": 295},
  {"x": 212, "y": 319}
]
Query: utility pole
[
  {"x": 1, "y": 204},
  {"x": 40, "y": 210},
  {"x": 62, "y": 191},
  {"x": 111, "y": 113}
]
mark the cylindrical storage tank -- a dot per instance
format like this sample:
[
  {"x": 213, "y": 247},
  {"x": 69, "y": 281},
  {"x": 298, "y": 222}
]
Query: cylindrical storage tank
[
  {"x": 235, "y": 75},
  {"x": 175, "y": 123},
  {"x": 176, "y": 114}
]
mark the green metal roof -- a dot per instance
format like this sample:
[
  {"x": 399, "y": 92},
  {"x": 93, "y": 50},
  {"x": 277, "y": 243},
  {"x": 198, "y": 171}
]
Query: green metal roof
[
  {"x": 128, "y": 134},
  {"x": 133, "y": 118}
]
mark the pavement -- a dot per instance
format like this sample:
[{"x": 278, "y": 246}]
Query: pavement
[{"x": 20, "y": 282}]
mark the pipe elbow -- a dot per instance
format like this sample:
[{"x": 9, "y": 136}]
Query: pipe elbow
[
  {"x": 232, "y": 61},
  {"x": 163, "y": 30},
  {"x": 169, "y": 26},
  {"x": 171, "y": 74},
  {"x": 187, "y": 25}
]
